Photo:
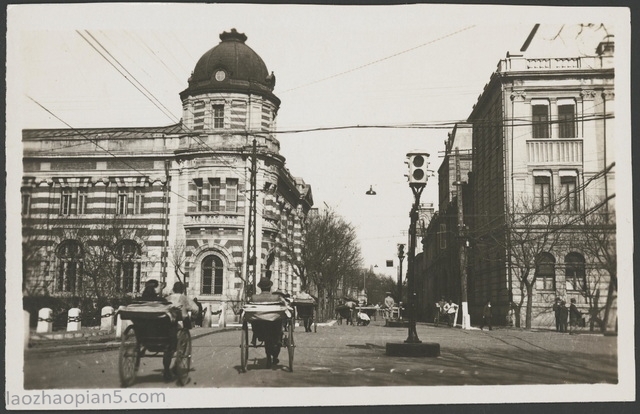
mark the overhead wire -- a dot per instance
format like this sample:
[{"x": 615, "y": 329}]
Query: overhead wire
[{"x": 439, "y": 125}]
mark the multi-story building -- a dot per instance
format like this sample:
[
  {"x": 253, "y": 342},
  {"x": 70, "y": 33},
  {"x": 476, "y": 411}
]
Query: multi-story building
[
  {"x": 543, "y": 145},
  {"x": 106, "y": 209}
]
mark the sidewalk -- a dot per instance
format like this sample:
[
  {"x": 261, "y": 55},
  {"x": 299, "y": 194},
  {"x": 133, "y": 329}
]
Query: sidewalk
[{"x": 93, "y": 338}]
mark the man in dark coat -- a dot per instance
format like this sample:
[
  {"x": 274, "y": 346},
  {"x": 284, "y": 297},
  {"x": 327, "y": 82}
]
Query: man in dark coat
[
  {"x": 486, "y": 315},
  {"x": 564, "y": 314}
]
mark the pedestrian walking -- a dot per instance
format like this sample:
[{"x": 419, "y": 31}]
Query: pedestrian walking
[
  {"x": 575, "y": 316},
  {"x": 486, "y": 316},
  {"x": 200, "y": 315},
  {"x": 564, "y": 314},
  {"x": 556, "y": 312},
  {"x": 450, "y": 309}
]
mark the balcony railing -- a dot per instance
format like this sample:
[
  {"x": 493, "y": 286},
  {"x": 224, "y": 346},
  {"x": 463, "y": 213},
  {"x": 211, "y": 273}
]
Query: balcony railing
[
  {"x": 217, "y": 219},
  {"x": 551, "y": 151}
]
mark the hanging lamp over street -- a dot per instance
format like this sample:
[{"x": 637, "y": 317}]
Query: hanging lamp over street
[{"x": 370, "y": 191}]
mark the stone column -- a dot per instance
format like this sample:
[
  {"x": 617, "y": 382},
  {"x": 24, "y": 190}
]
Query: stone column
[
  {"x": 106, "y": 320},
  {"x": 206, "y": 320},
  {"x": 45, "y": 321},
  {"x": 74, "y": 323},
  {"x": 26, "y": 316},
  {"x": 121, "y": 324},
  {"x": 222, "y": 318}
]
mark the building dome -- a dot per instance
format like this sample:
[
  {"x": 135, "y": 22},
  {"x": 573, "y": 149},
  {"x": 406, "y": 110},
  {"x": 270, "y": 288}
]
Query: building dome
[{"x": 231, "y": 66}]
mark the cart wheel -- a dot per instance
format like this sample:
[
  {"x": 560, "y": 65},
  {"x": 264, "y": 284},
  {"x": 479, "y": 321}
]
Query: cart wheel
[
  {"x": 129, "y": 359},
  {"x": 290, "y": 347},
  {"x": 244, "y": 347},
  {"x": 183, "y": 356}
]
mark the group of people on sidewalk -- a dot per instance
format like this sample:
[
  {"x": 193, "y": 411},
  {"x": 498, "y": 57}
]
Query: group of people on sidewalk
[
  {"x": 446, "y": 310},
  {"x": 562, "y": 313}
]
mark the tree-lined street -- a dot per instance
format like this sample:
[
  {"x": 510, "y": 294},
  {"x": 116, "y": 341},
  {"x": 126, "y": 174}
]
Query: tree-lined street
[{"x": 343, "y": 355}]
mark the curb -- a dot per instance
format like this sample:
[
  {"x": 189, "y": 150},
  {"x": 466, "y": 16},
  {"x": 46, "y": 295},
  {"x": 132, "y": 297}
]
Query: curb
[{"x": 112, "y": 342}]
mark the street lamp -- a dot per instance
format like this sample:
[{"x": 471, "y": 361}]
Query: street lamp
[
  {"x": 400, "y": 258},
  {"x": 370, "y": 191}
]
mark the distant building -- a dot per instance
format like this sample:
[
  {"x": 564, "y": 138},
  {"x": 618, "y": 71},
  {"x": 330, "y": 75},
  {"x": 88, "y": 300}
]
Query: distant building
[
  {"x": 543, "y": 148},
  {"x": 440, "y": 261},
  {"x": 168, "y": 203}
]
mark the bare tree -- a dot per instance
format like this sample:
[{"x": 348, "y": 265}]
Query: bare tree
[
  {"x": 178, "y": 259},
  {"x": 598, "y": 242},
  {"x": 330, "y": 255},
  {"x": 531, "y": 234},
  {"x": 103, "y": 256}
]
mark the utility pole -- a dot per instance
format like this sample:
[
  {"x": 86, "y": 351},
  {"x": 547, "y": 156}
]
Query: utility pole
[
  {"x": 462, "y": 240},
  {"x": 251, "y": 240}
]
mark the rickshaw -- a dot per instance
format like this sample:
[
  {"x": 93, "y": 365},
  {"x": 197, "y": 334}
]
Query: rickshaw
[
  {"x": 157, "y": 328},
  {"x": 305, "y": 308},
  {"x": 266, "y": 311}
]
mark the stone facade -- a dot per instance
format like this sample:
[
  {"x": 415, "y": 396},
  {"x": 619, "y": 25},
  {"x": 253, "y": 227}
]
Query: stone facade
[
  {"x": 542, "y": 148},
  {"x": 543, "y": 145},
  {"x": 175, "y": 198}
]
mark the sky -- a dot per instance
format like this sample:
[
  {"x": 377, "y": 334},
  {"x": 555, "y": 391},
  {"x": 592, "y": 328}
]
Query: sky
[{"x": 335, "y": 66}]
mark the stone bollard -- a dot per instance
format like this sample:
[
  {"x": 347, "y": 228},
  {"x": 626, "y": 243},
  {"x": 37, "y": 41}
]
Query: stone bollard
[
  {"x": 74, "y": 321},
  {"x": 106, "y": 318},
  {"x": 45, "y": 321},
  {"x": 27, "y": 316},
  {"x": 206, "y": 320},
  {"x": 222, "y": 323},
  {"x": 121, "y": 324}
]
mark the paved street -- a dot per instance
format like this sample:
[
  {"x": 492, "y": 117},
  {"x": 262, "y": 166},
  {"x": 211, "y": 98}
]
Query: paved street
[{"x": 342, "y": 355}]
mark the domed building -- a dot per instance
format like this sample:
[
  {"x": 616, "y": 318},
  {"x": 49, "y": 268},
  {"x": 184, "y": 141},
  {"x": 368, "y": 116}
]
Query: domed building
[{"x": 208, "y": 201}]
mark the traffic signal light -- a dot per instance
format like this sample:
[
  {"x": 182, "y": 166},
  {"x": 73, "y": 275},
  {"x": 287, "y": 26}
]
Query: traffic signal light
[{"x": 418, "y": 163}]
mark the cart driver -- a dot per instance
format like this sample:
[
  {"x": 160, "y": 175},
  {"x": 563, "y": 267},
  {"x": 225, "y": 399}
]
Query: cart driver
[
  {"x": 270, "y": 332},
  {"x": 389, "y": 303},
  {"x": 181, "y": 301}
]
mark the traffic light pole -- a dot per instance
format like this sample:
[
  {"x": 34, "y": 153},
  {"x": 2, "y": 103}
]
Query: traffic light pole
[
  {"x": 413, "y": 346},
  {"x": 412, "y": 337}
]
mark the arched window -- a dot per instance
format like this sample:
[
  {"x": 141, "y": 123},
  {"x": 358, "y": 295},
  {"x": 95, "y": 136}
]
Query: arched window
[
  {"x": 212, "y": 275},
  {"x": 69, "y": 277},
  {"x": 545, "y": 272},
  {"x": 127, "y": 254},
  {"x": 575, "y": 274}
]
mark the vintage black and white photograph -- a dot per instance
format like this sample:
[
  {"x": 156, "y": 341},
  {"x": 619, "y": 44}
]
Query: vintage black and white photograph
[{"x": 242, "y": 205}]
